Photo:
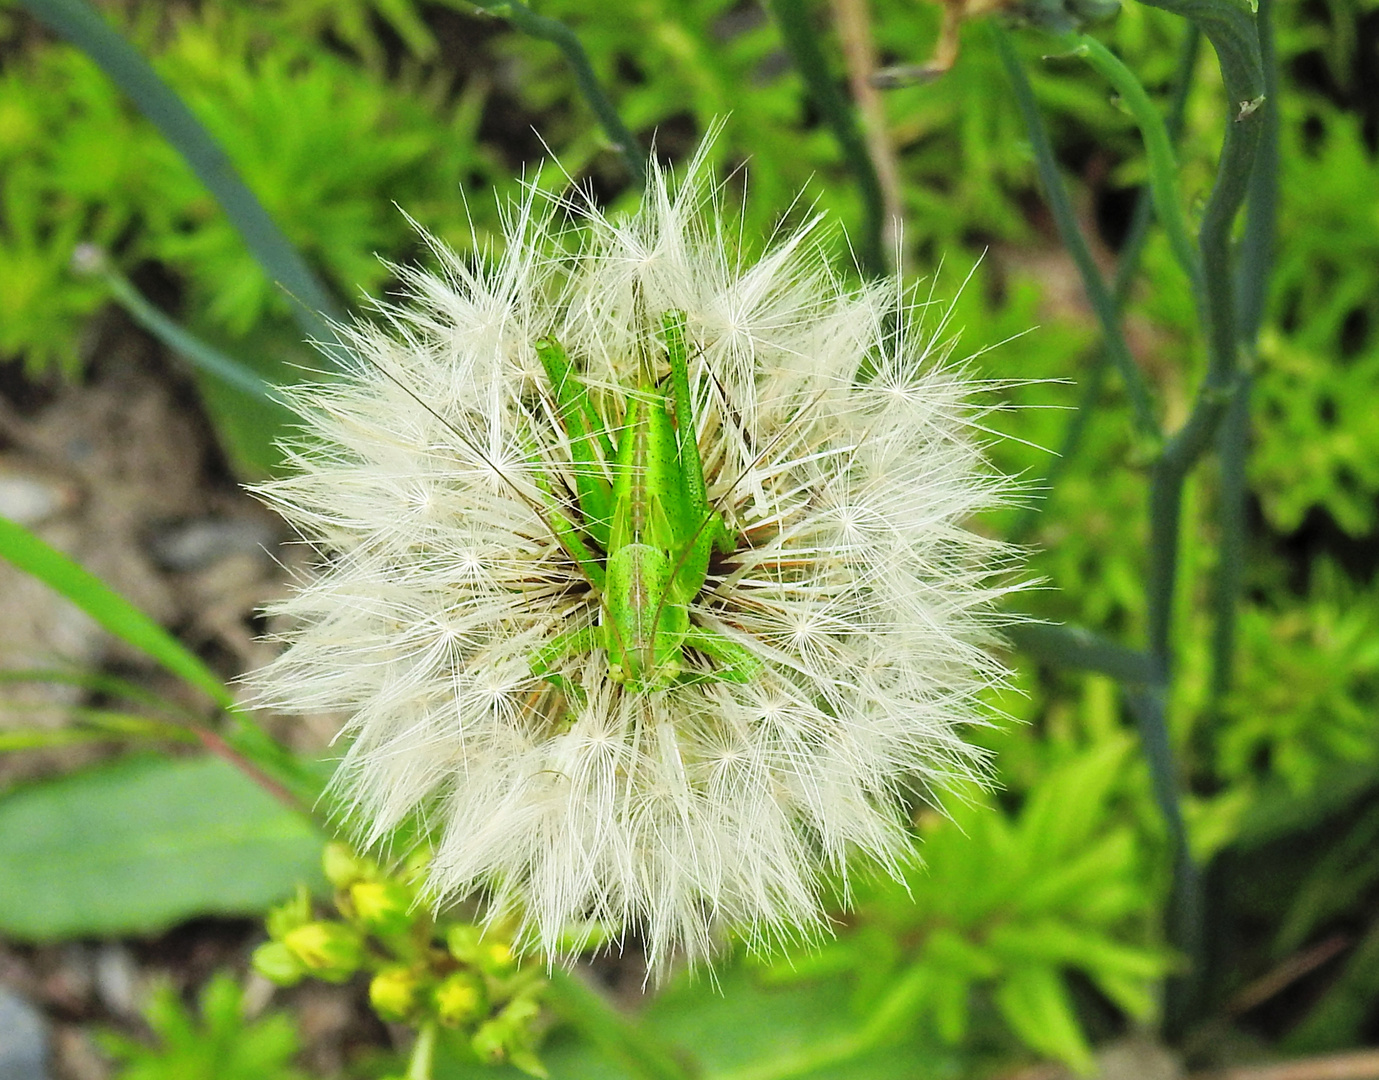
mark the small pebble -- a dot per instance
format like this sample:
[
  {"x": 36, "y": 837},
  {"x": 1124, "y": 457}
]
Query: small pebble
[
  {"x": 23, "y": 1039},
  {"x": 31, "y": 500},
  {"x": 117, "y": 980},
  {"x": 202, "y": 542}
]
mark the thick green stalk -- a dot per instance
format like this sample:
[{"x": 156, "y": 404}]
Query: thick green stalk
[
  {"x": 1095, "y": 286},
  {"x": 1252, "y": 292},
  {"x": 1078, "y": 648},
  {"x": 605, "y": 1027},
  {"x": 81, "y": 24},
  {"x": 802, "y": 44},
  {"x": 565, "y": 39},
  {"x": 1232, "y": 31}
]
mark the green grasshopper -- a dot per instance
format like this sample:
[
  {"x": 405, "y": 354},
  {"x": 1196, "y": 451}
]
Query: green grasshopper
[{"x": 645, "y": 530}]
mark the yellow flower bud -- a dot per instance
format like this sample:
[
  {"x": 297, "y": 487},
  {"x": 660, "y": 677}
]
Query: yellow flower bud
[
  {"x": 384, "y": 907},
  {"x": 329, "y": 950},
  {"x": 342, "y": 866},
  {"x": 393, "y": 992},
  {"x": 278, "y": 964},
  {"x": 460, "y": 998},
  {"x": 496, "y": 958},
  {"x": 463, "y": 942}
]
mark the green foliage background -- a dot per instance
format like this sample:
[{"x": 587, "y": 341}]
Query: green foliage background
[{"x": 1036, "y": 924}]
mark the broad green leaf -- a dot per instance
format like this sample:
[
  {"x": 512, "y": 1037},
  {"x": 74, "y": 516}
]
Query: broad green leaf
[{"x": 143, "y": 843}]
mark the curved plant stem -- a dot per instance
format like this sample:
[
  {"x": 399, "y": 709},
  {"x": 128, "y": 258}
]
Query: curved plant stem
[
  {"x": 85, "y": 28},
  {"x": 1095, "y": 286},
  {"x": 187, "y": 345},
  {"x": 1163, "y": 164},
  {"x": 563, "y": 38},
  {"x": 1126, "y": 268},
  {"x": 603, "y": 1025},
  {"x": 802, "y": 44}
]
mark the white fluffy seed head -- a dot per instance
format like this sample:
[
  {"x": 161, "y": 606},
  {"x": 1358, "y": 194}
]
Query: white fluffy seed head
[{"x": 840, "y": 447}]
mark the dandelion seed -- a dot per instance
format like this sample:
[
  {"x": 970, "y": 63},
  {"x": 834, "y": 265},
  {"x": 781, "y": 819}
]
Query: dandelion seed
[{"x": 669, "y": 693}]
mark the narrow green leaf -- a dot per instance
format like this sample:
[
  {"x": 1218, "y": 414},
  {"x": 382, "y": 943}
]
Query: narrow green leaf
[
  {"x": 110, "y": 609},
  {"x": 1035, "y": 1004},
  {"x": 141, "y": 844}
]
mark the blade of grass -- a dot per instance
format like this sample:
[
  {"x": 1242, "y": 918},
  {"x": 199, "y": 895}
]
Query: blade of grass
[
  {"x": 803, "y": 46},
  {"x": 92, "y": 725},
  {"x": 246, "y": 744}
]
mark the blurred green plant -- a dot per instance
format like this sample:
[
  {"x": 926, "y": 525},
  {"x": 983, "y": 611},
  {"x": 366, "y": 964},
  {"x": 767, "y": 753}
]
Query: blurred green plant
[
  {"x": 220, "y": 1043},
  {"x": 1009, "y": 904}
]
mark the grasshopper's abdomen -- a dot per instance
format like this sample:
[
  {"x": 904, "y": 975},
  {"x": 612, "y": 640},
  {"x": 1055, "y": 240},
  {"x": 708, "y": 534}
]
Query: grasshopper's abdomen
[{"x": 645, "y": 627}]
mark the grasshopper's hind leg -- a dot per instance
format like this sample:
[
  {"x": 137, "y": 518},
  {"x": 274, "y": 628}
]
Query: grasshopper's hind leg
[{"x": 734, "y": 662}]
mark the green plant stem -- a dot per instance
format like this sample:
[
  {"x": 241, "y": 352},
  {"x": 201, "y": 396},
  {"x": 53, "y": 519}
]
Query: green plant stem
[
  {"x": 1158, "y": 145},
  {"x": 421, "y": 1063},
  {"x": 584, "y": 1009},
  {"x": 195, "y": 351},
  {"x": 792, "y": 16},
  {"x": 1095, "y": 286},
  {"x": 888, "y": 1016},
  {"x": 1252, "y": 290},
  {"x": 1078, "y": 648},
  {"x": 85, "y": 28},
  {"x": 563, "y": 38},
  {"x": 1246, "y": 112},
  {"x": 244, "y": 743},
  {"x": 1127, "y": 266}
]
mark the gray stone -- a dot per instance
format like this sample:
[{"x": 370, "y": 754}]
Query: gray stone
[{"x": 23, "y": 1039}]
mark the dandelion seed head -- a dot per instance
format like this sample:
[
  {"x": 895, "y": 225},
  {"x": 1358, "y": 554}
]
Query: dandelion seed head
[{"x": 468, "y": 647}]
